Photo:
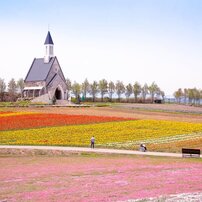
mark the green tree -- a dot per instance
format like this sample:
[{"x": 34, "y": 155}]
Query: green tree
[
  {"x": 12, "y": 89},
  {"x": 153, "y": 89},
  {"x": 2, "y": 89},
  {"x": 120, "y": 89},
  {"x": 69, "y": 87},
  {"x": 196, "y": 96},
  {"x": 129, "y": 91},
  {"x": 103, "y": 87},
  {"x": 162, "y": 93},
  {"x": 178, "y": 95},
  {"x": 136, "y": 90},
  {"x": 20, "y": 86},
  {"x": 94, "y": 89},
  {"x": 111, "y": 89},
  {"x": 200, "y": 95},
  {"x": 190, "y": 95},
  {"x": 85, "y": 88},
  {"x": 185, "y": 95},
  {"x": 76, "y": 90},
  {"x": 144, "y": 92}
]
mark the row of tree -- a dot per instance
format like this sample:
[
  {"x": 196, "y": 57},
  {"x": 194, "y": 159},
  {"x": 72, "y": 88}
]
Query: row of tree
[
  {"x": 11, "y": 91},
  {"x": 109, "y": 89},
  {"x": 102, "y": 88},
  {"x": 188, "y": 96}
]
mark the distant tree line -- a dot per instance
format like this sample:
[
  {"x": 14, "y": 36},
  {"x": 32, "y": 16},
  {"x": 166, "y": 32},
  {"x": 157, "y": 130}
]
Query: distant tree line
[
  {"x": 188, "y": 96},
  {"x": 103, "y": 90},
  {"x": 97, "y": 91},
  {"x": 12, "y": 90}
]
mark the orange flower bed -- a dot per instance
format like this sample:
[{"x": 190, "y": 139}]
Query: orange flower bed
[{"x": 43, "y": 120}]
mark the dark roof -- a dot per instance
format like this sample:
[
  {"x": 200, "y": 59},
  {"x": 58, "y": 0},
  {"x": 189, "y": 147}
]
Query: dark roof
[
  {"x": 39, "y": 70},
  {"x": 48, "y": 39}
]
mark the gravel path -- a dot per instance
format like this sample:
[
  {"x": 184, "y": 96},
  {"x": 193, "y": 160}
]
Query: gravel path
[{"x": 96, "y": 150}]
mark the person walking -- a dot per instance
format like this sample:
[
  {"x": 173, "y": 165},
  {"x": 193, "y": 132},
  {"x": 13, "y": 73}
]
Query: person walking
[{"x": 92, "y": 142}]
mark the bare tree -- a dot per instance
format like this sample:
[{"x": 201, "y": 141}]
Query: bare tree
[
  {"x": 120, "y": 89},
  {"x": 85, "y": 88},
  {"x": 103, "y": 87},
  {"x": 111, "y": 89},
  {"x": 136, "y": 90},
  {"x": 2, "y": 89},
  {"x": 12, "y": 89},
  {"x": 20, "y": 86},
  {"x": 129, "y": 91},
  {"x": 94, "y": 89}
]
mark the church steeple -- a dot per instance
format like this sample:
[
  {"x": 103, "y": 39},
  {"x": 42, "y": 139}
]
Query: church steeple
[
  {"x": 48, "y": 39},
  {"x": 48, "y": 48}
]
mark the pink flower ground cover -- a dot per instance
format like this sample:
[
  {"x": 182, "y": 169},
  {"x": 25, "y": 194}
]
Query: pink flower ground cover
[{"x": 96, "y": 178}]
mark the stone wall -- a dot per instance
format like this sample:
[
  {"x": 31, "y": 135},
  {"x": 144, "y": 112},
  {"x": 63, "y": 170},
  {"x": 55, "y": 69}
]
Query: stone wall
[
  {"x": 34, "y": 83},
  {"x": 57, "y": 82},
  {"x": 43, "y": 98}
]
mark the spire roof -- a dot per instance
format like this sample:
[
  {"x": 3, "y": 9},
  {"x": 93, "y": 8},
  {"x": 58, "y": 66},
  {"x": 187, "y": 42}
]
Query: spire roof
[{"x": 48, "y": 39}]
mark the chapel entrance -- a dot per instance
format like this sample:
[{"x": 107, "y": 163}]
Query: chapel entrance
[{"x": 58, "y": 94}]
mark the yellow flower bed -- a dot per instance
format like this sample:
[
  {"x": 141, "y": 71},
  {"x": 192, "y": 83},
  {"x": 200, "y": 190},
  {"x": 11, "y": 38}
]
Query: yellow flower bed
[
  {"x": 105, "y": 133},
  {"x": 177, "y": 145},
  {"x": 16, "y": 114}
]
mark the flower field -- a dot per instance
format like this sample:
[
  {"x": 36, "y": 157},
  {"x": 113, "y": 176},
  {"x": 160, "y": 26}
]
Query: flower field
[
  {"x": 97, "y": 178},
  {"x": 52, "y": 175},
  {"x": 6, "y": 112},
  {"x": 23, "y": 120},
  {"x": 76, "y": 130}
]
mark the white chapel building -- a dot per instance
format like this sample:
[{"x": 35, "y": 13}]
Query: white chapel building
[{"x": 45, "y": 80}]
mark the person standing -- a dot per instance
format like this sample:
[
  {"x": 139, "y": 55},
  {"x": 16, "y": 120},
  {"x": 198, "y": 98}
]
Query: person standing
[{"x": 92, "y": 142}]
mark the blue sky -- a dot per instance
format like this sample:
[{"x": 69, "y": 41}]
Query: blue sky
[{"x": 127, "y": 40}]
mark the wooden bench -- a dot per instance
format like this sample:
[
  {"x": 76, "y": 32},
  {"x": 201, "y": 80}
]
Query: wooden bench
[{"x": 191, "y": 152}]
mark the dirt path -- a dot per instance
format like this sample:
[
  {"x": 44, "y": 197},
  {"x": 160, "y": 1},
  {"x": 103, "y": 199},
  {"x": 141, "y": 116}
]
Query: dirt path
[{"x": 84, "y": 149}]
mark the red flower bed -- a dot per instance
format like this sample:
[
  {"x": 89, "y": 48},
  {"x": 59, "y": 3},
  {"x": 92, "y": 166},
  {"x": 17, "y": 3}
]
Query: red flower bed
[{"x": 43, "y": 120}]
